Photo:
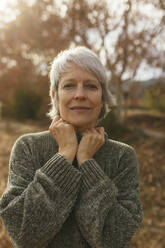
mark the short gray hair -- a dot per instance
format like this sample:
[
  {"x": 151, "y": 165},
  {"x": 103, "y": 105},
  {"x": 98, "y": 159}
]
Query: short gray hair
[{"x": 87, "y": 60}]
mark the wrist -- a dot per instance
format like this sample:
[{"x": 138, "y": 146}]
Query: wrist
[
  {"x": 82, "y": 160},
  {"x": 68, "y": 155}
]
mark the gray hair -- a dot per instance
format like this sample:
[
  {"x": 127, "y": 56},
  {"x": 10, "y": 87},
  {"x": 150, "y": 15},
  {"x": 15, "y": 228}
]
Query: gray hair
[{"x": 87, "y": 60}]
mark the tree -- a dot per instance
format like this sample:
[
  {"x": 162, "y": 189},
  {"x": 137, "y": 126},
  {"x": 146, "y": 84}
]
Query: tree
[
  {"x": 98, "y": 25},
  {"x": 154, "y": 97},
  {"x": 26, "y": 105}
]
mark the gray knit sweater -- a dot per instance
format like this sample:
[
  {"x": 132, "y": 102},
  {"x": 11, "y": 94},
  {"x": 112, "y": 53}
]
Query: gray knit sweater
[{"x": 50, "y": 203}]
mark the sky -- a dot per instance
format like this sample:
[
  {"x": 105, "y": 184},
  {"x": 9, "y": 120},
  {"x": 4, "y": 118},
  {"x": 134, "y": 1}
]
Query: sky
[{"x": 144, "y": 73}]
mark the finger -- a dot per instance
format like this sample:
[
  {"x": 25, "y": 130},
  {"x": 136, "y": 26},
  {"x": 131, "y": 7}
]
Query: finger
[
  {"x": 55, "y": 123},
  {"x": 55, "y": 127},
  {"x": 64, "y": 121},
  {"x": 56, "y": 118},
  {"x": 85, "y": 131},
  {"x": 93, "y": 131},
  {"x": 100, "y": 130}
]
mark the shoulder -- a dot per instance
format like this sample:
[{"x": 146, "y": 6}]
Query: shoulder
[
  {"x": 119, "y": 157},
  {"x": 36, "y": 147},
  {"x": 32, "y": 141},
  {"x": 34, "y": 137},
  {"x": 118, "y": 147},
  {"x": 114, "y": 152},
  {"x": 124, "y": 151},
  {"x": 119, "y": 151}
]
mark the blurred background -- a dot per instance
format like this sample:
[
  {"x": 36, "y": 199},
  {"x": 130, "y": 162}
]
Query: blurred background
[{"x": 129, "y": 38}]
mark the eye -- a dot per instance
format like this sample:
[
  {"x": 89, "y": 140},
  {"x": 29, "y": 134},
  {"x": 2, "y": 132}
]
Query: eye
[
  {"x": 68, "y": 85},
  {"x": 91, "y": 86}
]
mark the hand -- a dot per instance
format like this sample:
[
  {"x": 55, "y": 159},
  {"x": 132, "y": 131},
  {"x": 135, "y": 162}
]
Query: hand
[
  {"x": 90, "y": 143},
  {"x": 65, "y": 136}
]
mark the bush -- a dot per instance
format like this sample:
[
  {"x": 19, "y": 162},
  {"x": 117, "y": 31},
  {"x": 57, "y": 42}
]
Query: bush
[
  {"x": 155, "y": 97},
  {"x": 112, "y": 126},
  {"x": 26, "y": 105}
]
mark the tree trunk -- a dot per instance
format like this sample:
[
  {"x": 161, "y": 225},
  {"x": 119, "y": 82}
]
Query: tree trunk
[{"x": 119, "y": 96}]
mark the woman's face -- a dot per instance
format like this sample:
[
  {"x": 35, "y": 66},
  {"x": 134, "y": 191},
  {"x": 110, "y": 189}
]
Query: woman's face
[{"x": 79, "y": 97}]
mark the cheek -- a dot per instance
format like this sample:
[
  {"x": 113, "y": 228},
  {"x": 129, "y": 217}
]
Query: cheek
[
  {"x": 62, "y": 102},
  {"x": 99, "y": 100}
]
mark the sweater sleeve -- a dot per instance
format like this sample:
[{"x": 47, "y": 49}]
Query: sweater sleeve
[
  {"x": 36, "y": 203},
  {"x": 109, "y": 211}
]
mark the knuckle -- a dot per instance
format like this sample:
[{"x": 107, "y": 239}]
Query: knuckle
[
  {"x": 67, "y": 125},
  {"x": 50, "y": 128}
]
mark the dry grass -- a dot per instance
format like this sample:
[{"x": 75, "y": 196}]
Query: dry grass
[
  {"x": 9, "y": 132},
  {"x": 152, "y": 166}
]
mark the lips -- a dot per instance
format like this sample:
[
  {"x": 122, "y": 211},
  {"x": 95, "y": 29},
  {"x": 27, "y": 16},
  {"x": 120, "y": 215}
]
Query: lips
[{"x": 79, "y": 107}]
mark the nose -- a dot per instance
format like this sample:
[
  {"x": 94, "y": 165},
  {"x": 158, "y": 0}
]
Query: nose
[{"x": 80, "y": 93}]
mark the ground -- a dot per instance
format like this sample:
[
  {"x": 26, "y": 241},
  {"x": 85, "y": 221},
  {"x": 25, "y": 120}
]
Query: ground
[{"x": 151, "y": 156}]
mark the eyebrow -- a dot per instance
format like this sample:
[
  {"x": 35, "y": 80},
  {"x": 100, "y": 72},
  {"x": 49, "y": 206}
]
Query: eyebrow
[{"x": 86, "y": 81}]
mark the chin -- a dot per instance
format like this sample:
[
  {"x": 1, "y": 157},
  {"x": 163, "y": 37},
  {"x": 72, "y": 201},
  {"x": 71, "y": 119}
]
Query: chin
[{"x": 82, "y": 125}]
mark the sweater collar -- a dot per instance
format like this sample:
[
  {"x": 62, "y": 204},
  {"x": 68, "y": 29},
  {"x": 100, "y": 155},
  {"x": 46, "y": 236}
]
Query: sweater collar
[{"x": 79, "y": 136}]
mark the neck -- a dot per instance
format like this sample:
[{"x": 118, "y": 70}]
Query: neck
[{"x": 82, "y": 129}]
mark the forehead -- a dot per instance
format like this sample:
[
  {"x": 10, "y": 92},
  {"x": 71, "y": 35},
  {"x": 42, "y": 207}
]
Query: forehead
[{"x": 78, "y": 73}]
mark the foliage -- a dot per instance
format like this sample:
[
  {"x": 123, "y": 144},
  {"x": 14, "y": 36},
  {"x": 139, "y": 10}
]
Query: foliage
[
  {"x": 26, "y": 104},
  {"x": 112, "y": 125},
  {"x": 155, "y": 97}
]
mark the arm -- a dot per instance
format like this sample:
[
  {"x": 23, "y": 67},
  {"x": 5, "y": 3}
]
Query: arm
[
  {"x": 37, "y": 203},
  {"x": 109, "y": 211}
]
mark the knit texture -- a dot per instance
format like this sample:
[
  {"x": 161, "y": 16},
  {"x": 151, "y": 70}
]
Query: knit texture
[{"x": 50, "y": 203}]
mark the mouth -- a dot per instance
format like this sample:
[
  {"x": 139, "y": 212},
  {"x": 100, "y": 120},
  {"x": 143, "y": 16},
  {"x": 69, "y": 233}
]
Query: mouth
[{"x": 79, "y": 108}]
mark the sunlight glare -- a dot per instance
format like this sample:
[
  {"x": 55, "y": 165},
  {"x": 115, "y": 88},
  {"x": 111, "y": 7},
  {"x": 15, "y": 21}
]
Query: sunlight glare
[
  {"x": 4, "y": 4},
  {"x": 7, "y": 11}
]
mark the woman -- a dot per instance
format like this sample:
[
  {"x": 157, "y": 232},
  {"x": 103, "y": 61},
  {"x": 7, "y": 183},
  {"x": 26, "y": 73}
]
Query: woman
[{"x": 71, "y": 186}]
